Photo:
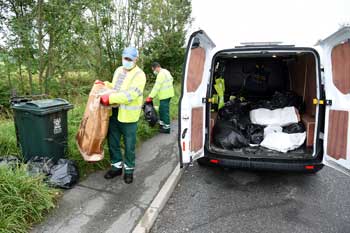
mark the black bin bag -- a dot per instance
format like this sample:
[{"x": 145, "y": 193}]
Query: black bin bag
[
  {"x": 150, "y": 114},
  {"x": 64, "y": 174},
  {"x": 255, "y": 133},
  {"x": 228, "y": 137},
  {"x": 294, "y": 128},
  {"x": 237, "y": 113}
]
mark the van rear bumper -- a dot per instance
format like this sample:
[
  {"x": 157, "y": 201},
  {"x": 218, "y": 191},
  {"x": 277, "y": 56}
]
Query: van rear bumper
[{"x": 278, "y": 165}]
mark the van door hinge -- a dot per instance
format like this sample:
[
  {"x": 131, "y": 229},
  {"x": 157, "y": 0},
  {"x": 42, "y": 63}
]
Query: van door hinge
[
  {"x": 206, "y": 100},
  {"x": 322, "y": 78},
  {"x": 322, "y": 102}
]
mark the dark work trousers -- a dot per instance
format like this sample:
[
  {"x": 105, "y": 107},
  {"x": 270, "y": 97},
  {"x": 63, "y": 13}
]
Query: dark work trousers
[{"x": 117, "y": 130}]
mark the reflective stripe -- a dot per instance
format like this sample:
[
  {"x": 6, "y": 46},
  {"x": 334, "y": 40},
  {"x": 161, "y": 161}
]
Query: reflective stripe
[
  {"x": 117, "y": 165},
  {"x": 138, "y": 91},
  {"x": 121, "y": 78},
  {"x": 128, "y": 168},
  {"x": 167, "y": 80},
  {"x": 118, "y": 84},
  {"x": 166, "y": 87},
  {"x": 133, "y": 108},
  {"x": 128, "y": 95},
  {"x": 161, "y": 123},
  {"x": 166, "y": 126}
]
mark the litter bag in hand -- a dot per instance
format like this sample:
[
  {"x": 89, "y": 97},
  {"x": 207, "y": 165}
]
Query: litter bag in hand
[
  {"x": 94, "y": 126},
  {"x": 150, "y": 114}
]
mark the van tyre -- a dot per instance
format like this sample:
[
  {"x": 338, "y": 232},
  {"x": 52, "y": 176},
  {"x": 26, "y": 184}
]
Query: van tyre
[{"x": 203, "y": 162}]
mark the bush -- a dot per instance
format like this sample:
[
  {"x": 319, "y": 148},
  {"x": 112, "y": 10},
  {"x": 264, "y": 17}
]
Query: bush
[{"x": 24, "y": 200}]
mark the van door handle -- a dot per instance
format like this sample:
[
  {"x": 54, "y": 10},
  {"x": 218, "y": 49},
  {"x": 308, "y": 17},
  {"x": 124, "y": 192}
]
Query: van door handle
[{"x": 184, "y": 133}]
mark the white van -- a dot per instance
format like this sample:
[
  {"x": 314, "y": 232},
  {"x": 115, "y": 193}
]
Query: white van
[{"x": 325, "y": 93}]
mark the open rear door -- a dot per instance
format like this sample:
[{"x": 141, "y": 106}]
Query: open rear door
[
  {"x": 336, "y": 59},
  {"x": 192, "y": 113}
]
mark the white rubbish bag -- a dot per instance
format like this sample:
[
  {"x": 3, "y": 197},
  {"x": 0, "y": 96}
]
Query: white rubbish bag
[
  {"x": 283, "y": 142},
  {"x": 272, "y": 129},
  {"x": 281, "y": 116}
]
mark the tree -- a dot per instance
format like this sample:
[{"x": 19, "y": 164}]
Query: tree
[
  {"x": 48, "y": 41},
  {"x": 166, "y": 22}
]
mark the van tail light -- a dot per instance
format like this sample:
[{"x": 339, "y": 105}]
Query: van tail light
[
  {"x": 183, "y": 146},
  {"x": 214, "y": 161},
  {"x": 309, "y": 167}
]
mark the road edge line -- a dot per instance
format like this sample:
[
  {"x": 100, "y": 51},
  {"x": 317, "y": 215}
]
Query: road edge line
[{"x": 146, "y": 222}]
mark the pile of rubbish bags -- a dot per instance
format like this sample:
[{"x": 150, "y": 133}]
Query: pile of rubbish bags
[
  {"x": 273, "y": 124},
  {"x": 63, "y": 174}
]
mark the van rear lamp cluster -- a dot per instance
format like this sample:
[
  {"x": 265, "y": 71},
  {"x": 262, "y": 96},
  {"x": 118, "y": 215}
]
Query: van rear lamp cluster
[
  {"x": 309, "y": 167},
  {"x": 183, "y": 146},
  {"x": 214, "y": 161}
]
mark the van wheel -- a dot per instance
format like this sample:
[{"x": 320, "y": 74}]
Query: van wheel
[{"x": 203, "y": 162}]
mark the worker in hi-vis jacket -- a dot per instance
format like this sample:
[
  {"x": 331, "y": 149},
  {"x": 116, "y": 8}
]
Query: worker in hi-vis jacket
[
  {"x": 163, "y": 88},
  {"x": 128, "y": 82}
]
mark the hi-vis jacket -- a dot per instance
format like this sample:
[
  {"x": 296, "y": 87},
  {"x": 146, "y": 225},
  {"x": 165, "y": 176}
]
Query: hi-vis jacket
[
  {"x": 163, "y": 87},
  {"x": 129, "y": 86}
]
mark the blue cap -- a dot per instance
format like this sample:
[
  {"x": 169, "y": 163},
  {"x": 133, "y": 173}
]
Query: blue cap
[{"x": 130, "y": 52}]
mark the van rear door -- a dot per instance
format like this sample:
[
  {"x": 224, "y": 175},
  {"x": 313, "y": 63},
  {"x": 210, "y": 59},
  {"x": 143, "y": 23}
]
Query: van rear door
[
  {"x": 336, "y": 59},
  {"x": 192, "y": 113}
]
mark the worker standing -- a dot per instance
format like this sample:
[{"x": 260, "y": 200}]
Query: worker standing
[
  {"x": 164, "y": 89},
  {"x": 128, "y": 82}
]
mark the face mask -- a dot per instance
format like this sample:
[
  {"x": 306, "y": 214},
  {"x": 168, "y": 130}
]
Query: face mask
[
  {"x": 155, "y": 72},
  {"x": 128, "y": 64}
]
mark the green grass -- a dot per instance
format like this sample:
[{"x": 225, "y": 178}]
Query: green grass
[
  {"x": 24, "y": 200},
  {"x": 8, "y": 142}
]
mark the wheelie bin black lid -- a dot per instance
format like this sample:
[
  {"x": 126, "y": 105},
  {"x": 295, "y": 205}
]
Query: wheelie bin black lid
[{"x": 43, "y": 107}]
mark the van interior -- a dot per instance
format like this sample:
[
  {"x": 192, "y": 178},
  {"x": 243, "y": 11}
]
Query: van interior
[{"x": 256, "y": 77}]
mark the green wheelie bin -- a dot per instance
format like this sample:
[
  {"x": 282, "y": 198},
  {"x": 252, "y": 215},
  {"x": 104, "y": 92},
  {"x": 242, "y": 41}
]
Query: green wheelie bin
[{"x": 41, "y": 128}]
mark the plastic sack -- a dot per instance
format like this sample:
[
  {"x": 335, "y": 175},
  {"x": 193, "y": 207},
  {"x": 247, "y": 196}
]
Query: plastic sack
[
  {"x": 255, "y": 133},
  {"x": 294, "y": 128},
  {"x": 227, "y": 136},
  {"x": 94, "y": 126},
  {"x": 64, "y": 174},
  {"x": 286, "y": 99},
  {"x": 236, "y": 112},
  {"x": 280, "y": 100},
  {"x": 282, "y": 116},
  {"x": 39, "y": 165},
  {"x": 233, "y": 107},
  {"x": 283, "y": 142},
  {"x": 150, "y": 114},
  {"x": 272, "y": 129}
]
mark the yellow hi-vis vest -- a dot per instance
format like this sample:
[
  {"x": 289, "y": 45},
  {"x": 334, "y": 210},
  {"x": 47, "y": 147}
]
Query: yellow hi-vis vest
[
  {"x": 129, "y": 87},
  {"x": 220, "y": 89},
  {"x": 163, "y": 87}
]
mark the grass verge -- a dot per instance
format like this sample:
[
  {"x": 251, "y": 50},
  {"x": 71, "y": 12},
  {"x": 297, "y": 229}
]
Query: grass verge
[{"x": 24, "y": 200}]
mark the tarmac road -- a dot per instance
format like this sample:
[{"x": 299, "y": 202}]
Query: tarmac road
[{"x": 220, "y": 200}]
